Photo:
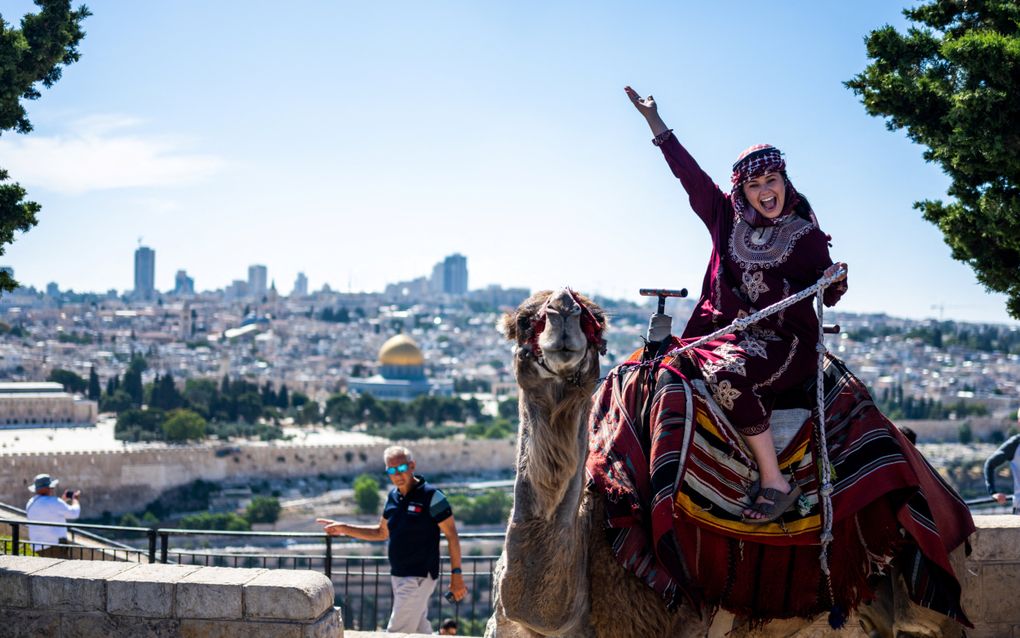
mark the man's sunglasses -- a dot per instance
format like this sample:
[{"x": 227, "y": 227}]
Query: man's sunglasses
[{"x": 398, "y": 469}]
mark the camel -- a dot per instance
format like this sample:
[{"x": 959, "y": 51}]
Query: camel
[{"x": 557, "y": 575}]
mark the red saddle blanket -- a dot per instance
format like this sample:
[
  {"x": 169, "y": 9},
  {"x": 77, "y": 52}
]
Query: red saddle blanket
[{"x": 675, "y": 477}]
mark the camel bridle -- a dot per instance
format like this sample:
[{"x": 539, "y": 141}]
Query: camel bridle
[{"x": 590, "y": 326}]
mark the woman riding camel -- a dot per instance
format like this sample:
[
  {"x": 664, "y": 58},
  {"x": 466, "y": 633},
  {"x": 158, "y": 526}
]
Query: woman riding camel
[{"x": 766, "y": 246}]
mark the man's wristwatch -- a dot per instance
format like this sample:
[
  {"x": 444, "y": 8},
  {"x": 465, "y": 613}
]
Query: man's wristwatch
[{"x": 456, "y": 570}]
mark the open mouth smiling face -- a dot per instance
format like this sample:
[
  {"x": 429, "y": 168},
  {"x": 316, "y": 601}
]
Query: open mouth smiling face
[{"x": 766, "y": 193}]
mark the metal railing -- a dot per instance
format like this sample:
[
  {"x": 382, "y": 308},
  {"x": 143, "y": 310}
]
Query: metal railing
[
  {"x": 360, "y": 582},
  {"x": 989, "y": 503}
]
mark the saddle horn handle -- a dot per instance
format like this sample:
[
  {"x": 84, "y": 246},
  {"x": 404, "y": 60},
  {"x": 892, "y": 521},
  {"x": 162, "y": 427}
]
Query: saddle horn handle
[{"x": 662, "y": 293}]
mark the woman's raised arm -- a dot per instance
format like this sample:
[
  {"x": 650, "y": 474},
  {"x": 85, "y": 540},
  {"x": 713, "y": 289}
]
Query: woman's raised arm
[{"x": 707, "y": 200}]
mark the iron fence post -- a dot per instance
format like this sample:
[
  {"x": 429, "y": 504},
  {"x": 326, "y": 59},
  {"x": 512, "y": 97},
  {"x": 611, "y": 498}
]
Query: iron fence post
[
  {"x": 329, "y": 557},
  {"x": 152, "y": 544},
  {"x": 15, "y": 539},
  {"x": 164, "y": 542}
]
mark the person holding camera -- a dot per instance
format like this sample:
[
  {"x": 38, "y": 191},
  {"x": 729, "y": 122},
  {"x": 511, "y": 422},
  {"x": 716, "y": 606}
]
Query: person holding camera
[
  {"x": 414, "y": 514},
  {"x": 46, "y": 507}
]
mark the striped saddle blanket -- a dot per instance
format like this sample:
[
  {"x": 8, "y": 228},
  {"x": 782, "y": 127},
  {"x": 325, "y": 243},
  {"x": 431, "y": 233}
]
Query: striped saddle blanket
[{"x": 675, "y": 478}]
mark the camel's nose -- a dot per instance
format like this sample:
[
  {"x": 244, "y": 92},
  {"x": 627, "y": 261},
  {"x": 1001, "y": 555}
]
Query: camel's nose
[{"x": 564, "y": 302}]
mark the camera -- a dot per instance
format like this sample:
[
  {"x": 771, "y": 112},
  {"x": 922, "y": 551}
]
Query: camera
[
  {"x": 449, "y": 597},
  {"x": 68, "y": 495}
]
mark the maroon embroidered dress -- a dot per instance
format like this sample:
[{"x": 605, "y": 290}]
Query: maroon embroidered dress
[{"x": 751, "y": 267}]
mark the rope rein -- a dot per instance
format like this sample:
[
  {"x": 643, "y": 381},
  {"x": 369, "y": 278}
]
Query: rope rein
[
  {"x": 742, "y": 323},
  {"x": 825, "y": 469}
]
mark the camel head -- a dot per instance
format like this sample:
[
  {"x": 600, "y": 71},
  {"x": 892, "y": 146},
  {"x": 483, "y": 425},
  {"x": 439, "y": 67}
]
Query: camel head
[{"x": 557, "y": 335}]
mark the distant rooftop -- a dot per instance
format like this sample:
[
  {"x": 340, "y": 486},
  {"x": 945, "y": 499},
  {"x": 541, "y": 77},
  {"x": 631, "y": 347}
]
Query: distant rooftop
[{"x": 30, "y": 387}]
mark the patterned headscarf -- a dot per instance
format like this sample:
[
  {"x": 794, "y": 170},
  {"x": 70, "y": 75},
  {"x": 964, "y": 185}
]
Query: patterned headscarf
[{"x": 755, "y": 162}]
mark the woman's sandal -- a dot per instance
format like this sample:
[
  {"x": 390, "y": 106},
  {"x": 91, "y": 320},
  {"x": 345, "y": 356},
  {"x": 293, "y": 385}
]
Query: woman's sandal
[{"x": 780, "y": 504}]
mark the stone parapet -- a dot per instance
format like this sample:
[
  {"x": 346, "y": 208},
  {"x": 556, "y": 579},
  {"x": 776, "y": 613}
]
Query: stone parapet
[
  {"x": 991, "y": 579},
  {"x": 44, "y": 597}
]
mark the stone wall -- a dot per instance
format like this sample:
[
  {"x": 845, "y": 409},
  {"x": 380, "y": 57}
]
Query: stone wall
[
  {"x": 45, "y": 597},
  {"x": 991, "y": 579},
  {"x": 124, "y": 481},
  {"x": 49, "y": 597}
]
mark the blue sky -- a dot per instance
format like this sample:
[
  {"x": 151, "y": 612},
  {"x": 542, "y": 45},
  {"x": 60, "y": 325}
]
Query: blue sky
[{"x": 362, "y": 142}]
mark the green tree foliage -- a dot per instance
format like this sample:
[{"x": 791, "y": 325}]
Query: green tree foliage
[
  {"x": 34, "y": 54},
  {"x": 340, "y": 410},
  {"x": 895, "y": 405},
  {"x": 223, "y": 521},
  {"x": 118, "y": 401},
  {"x": 133, "y": 380},
  {"x": 95, "y": 392},
  {"x": 489, "y": 508},
  {"x": 183, "y": 425},
  {"x": 130, "y": 520},
  {"x": 263, "y": 509},
  {"x": 965, "y": 433},
  {"x": 164, "y": 393},
  {"x": 308, "y": 413},
  {"x": 134, "y": 424},
  {"x": 70, "y": 380},
  {"x": 366, "y": 494},
  {"x": 200, "y": 395},
  {"x": 952, "y": 82}
]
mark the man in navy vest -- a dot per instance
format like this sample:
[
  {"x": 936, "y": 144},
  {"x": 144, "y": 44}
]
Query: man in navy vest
[{"x": 414, "y": 515}]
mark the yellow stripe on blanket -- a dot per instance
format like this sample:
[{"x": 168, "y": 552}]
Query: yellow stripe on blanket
[{"x": 704, "y": 518}]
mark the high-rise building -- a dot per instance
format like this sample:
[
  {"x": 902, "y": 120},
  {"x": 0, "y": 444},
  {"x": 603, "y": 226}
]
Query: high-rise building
[
  {"x": 450, "y": 276},
  {"x": 145, "y": 273},
  {"x": 300, "y": 286},
  {"x": 237, "y": 289},
  {"x": 455, "y": 274},
  {"x": 52, "y": 289},
  {"x": 437, "y": 282},
  {"x": 257, "y": 280},
  {"x": 183, "y": 284}
]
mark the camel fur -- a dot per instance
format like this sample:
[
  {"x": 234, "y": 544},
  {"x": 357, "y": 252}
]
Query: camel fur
[{"x": 557, "y": 575}]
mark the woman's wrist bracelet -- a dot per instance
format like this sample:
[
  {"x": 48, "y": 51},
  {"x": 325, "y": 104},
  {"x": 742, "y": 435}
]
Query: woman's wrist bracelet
[{"x": 661, "y": 138}]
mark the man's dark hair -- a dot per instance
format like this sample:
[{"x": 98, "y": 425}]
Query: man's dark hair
[{"x": 448, "y": 623}]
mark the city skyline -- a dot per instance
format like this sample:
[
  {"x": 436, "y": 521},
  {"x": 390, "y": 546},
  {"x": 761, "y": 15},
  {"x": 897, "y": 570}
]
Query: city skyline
[{"x": 358, "y": 148}]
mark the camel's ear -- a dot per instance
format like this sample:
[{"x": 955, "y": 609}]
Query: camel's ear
[{"x": 507, "y": 326}]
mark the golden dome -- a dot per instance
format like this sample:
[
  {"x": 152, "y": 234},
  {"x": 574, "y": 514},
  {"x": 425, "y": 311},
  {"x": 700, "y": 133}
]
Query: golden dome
[{"x": 401, "y": 350}]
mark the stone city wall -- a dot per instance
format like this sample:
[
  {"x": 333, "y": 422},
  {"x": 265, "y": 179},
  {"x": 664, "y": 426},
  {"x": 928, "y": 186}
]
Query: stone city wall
[
  {"x": 46, "y": 597},
  {"x": 125, "y": 481}
]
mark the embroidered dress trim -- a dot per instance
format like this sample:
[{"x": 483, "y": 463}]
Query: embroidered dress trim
[
  {"x": 724, "y": 394},
  {"x": 717, "y": 292},
  {"x": 755, "y": 429},
  {"x": 786, "y": 293},
  {"x": 782, "y": 369},
  {"x": 765, "y": 246},
  {"x": 752, "y": 285}
]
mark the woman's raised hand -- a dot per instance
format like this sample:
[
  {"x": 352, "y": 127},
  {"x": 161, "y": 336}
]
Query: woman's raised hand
[{"x": 645, "y": 105}]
